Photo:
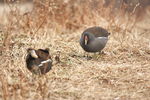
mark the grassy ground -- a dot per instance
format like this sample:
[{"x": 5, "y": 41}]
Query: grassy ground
[{"x": 122, "y": 73}]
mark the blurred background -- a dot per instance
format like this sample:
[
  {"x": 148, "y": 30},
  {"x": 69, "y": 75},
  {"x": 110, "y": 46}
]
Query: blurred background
[
  {"x": 31, "y": 16},
  {"x": 75, "y": 14},
  {"x": 121, "y": 74}
]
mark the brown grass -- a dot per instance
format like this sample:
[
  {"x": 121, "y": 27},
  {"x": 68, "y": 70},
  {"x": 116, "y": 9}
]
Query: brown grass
[{"x": 122, "y": 73}]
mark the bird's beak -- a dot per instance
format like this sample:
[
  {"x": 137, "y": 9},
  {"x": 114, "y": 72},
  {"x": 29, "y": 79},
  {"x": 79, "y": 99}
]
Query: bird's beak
[
  {"x": 86, "y": 40},
  {"x": 33, "y": 54}
]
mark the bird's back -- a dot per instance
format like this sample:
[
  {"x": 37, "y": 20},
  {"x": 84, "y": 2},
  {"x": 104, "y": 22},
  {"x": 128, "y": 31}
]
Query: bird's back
[{"x": 97, "y": 31}]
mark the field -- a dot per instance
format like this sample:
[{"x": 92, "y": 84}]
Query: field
[{"x": 121, "y": 73}]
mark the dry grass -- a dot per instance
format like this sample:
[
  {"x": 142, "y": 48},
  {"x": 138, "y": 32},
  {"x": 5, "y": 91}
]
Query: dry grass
[{"x": 123, "y": 73}]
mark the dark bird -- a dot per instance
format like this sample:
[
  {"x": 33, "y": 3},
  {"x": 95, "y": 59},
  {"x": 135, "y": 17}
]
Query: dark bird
[
  {"x": 38, "y": 61},
  {"x": 94, "y": 39}
]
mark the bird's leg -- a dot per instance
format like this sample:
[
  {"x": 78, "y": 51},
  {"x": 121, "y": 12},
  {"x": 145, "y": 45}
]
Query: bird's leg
[
  {"x": 95, "y": 55},
  {"x": 87, "y": 56},
  {"x": 102, "y": 53}
]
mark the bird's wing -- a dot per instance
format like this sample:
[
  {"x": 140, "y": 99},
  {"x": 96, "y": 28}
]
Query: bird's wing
[{"x": 102, "y": 40}]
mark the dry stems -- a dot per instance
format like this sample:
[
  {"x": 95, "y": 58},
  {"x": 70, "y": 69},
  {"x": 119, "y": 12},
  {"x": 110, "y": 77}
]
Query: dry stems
[{"x": 121, "y": 74}]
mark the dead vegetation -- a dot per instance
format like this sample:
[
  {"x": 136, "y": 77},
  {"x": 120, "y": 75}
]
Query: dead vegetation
[{"x": 122, "y": 73}]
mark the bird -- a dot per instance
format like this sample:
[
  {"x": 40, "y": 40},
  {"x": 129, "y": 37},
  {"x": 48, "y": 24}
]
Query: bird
[
  {"x": 38, "y": 61},
  {"x": 94, "y": 39}
]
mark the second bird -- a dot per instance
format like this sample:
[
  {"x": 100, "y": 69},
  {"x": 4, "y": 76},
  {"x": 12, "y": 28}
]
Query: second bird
[
  {"x": 94, "y": 39},
  {"x": 38, "y": 61}
]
